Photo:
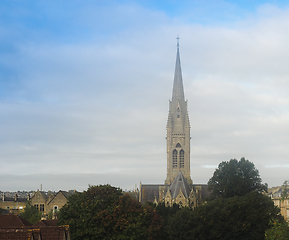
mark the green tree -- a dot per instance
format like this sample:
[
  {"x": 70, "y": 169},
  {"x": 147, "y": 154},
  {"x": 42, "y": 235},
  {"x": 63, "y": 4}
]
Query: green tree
[
  {"x": 49, "y": 215},
  {"x": 103, "y": 212},
  {"x": 165, "y": 212},
  {"x": 183, "y": 224},
  {"x": 238, "y": 218},
  {"x": 235, "y": 178},
  {"x": 237, "y": 210},
  {"x": 31, "y": 214},
  {"x": 279, "y": 231}
]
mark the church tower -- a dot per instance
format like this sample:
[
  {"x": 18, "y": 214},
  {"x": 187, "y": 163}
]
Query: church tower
[{"x": 178, "y": 130}]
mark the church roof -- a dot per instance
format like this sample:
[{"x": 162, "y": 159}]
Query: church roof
[
  {"x": 178, "y": 89},
  {"x": 180, "y": 183},
  {"x": 149, "y": 192}
]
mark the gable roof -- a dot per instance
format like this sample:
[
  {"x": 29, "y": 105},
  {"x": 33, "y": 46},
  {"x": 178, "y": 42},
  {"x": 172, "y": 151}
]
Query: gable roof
[
  {"x": 41, "y": 193},
  {"x": 55, "y": 232},
  {"x": 10, "y": 220},
  {"x": 64, "y": 193},
  {"x": 180, "y": 183}
]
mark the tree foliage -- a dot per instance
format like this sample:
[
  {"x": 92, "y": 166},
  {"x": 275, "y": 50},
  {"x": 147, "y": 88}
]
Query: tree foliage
[
  {"x": 31, "y": 214},
  {"x": 237, "y": 209},
  {"x": 103, "y": 212},
  {"x": 183, "y": 225},
  {"x": 235, "y": 178},
  {"x": 238, "y": 218},
  {"x": 278, "y": 231}
]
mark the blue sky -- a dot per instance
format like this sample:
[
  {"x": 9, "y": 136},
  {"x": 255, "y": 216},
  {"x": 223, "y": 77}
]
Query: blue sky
[{"x": 84, "y": 89}]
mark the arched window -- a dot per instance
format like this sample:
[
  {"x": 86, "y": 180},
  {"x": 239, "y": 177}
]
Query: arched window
[
  {"x": 175, "y": 158},
  {"x": 182, "y": 158}
]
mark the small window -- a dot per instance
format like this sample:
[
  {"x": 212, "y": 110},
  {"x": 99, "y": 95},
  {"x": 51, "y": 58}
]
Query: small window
[
  {"x": 37, "y": 207},
  {"x": 178, "y": 145}
]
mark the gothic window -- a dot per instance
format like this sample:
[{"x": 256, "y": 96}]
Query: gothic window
[
  {"x": 175, "y": 158},
  {"x": 181, "y": 204},
  {"x": 178, "y": 145},
  {"x": 41, "y": 207},
  {"x": 182, "y": 158},
  {"x": 178, "y": 112}
]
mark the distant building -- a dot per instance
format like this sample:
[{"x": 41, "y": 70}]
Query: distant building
[
  {"x": 178, "y": 187},
  {"x": 14, "y": 204},
  {"x": 276, "y": 195},
  {"x": 49, "y": 202}
]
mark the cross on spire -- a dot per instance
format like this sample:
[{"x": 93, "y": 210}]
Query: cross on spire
[{"x": 178, "y": 40}]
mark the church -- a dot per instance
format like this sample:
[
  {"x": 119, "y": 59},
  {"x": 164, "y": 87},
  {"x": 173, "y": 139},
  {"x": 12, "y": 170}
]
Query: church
[{"x": 178, "y": 187}]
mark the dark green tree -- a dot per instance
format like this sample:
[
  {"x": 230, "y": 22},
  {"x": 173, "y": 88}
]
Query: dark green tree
[
  {"x": 183, "y": 224},
  {"x": 166, "y": 212},
  {"x": 238, "y": 218},
  {"x": 31, "y": 214},
  {"x": 235, "y": 178},
  {"x": 237, "y": 210},
  {"x": 103, "y": 212}
]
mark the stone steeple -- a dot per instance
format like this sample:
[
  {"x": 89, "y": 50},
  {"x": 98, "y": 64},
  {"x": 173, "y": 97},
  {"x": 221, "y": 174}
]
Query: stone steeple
[
  {"x": 178, "y": 129},
  {"x": 178, "y": 89}
]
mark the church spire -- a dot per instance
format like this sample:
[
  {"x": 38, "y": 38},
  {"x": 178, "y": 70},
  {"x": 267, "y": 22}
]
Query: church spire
[
  {"x": 178, "y": 130},
  {"x": 178, "y": 90}
]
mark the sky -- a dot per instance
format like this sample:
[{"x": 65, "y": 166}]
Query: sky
[{"x": 85, "y": 89}]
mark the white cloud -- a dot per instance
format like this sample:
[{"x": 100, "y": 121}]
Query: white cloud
[{"x": 97, "y": 106}]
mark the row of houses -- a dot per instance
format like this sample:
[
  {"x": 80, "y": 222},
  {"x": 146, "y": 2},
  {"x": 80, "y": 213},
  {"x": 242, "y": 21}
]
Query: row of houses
[{"x": 45, "y": 202}]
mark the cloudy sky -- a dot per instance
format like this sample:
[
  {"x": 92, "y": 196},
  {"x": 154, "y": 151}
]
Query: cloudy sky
[{"x": 84, "y": 89}]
